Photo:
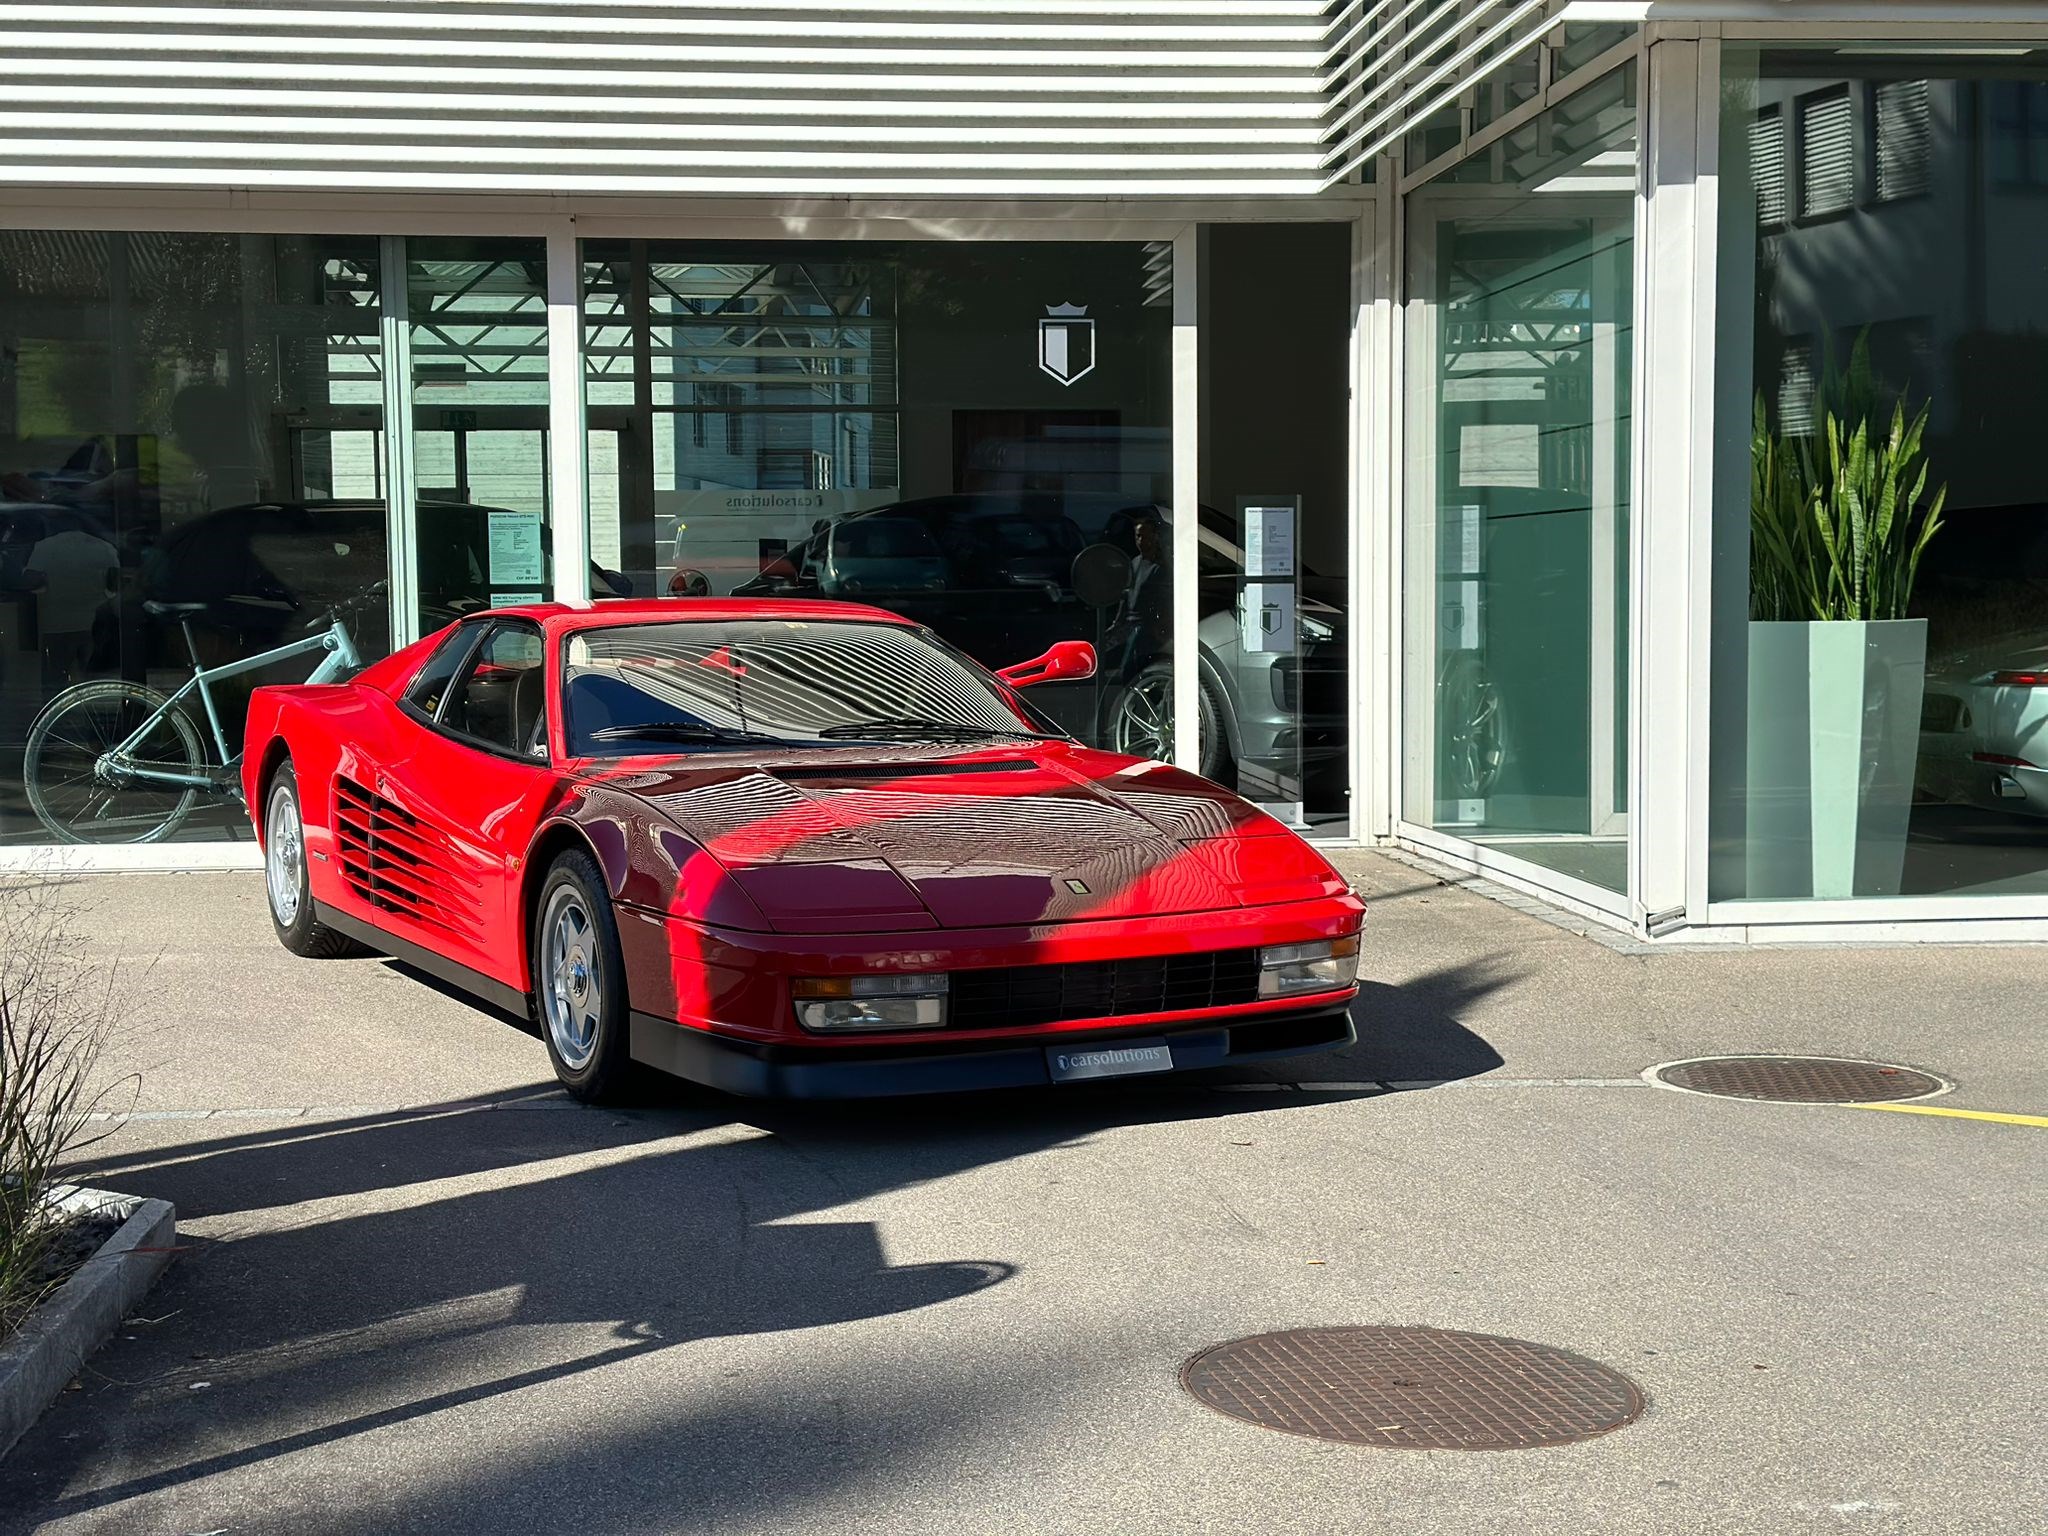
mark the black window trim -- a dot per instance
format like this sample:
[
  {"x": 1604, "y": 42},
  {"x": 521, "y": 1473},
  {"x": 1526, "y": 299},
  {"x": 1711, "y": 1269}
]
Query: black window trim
[
  {"x": 465, "y": 637},
  {"x": 484, "y": 629}
]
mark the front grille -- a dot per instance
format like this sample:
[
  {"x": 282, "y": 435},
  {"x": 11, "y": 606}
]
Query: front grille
[{"x": 1016, "y": 996}]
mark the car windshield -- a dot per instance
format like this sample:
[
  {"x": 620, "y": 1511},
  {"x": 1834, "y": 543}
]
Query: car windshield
[{"x": 711, "y": 685}]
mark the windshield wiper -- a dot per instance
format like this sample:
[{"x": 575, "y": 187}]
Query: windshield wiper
[
  {"x": 686, "y": 730},
  {"x": 908, "y": 729}
]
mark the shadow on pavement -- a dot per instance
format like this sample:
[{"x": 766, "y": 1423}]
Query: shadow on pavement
[{"x": 435, "y": 1267}]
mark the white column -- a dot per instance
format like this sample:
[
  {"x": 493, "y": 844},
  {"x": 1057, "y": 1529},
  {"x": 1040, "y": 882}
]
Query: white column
[
  {"x": 1375, "y": 617},
  {"x": 1187, "y": 507},
  {"x": 1670, "y": 615},
  {"x": 401, "y": 487},
  {"x": 568, "y": 443}
]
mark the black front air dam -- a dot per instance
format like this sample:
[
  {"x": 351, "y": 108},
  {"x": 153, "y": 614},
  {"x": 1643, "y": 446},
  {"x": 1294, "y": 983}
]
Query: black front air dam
[{"x": 858, "y": 1072}]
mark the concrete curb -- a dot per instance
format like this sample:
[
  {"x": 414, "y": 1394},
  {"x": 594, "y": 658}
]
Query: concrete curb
[{"x": 84, "y": 1311}]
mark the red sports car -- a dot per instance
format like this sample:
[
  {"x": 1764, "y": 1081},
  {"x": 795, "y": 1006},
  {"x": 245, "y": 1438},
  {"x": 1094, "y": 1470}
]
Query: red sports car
[{"x": 797, "y": 848}]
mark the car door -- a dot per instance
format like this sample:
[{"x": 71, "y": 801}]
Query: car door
[{"x": 474, "y": 788}]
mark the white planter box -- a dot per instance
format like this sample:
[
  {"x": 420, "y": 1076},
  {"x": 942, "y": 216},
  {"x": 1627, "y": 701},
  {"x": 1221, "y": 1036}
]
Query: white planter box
[{"x": 1834, "y": 731}]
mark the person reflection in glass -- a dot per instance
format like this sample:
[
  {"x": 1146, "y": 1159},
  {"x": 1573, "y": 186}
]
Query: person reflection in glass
[{"x": 1143, "y": 621}]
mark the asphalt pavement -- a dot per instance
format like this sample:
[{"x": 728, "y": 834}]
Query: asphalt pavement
[{"x": 424, "y": 1292}]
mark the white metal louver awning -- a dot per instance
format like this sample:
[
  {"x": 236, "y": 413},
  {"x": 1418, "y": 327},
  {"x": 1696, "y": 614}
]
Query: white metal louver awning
[{"x": 759, "y": 97}]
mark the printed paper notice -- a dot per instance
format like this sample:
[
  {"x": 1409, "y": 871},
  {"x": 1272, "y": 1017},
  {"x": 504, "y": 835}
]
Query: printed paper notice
[
  {"x": 1269, "y": 541},
  {"x": 516, "y": 555}
]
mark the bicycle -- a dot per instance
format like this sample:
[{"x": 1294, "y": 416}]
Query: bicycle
[{"x": 95, "y": 775}]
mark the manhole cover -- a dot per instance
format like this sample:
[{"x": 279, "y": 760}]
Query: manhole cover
[
  {"x": 1419, "y": 1388},
  {"x": 1797, "y": 1079}
]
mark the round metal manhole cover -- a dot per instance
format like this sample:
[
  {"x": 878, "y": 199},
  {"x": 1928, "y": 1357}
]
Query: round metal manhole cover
[
  {"x": 1415, "y": 1388},
  {"x": 1797, "y": 1079}
]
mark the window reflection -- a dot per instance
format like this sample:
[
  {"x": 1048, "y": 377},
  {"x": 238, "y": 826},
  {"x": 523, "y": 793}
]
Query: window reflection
[
  {"x": 1907, "y": 276},
  {"x": 1520, "y": 323},
  {"x": 970, "y": 435},
  {"x": 184, "y": 419}
]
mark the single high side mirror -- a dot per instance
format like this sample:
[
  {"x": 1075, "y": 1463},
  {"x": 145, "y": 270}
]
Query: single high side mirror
[{"x": 1068, "y": 661}]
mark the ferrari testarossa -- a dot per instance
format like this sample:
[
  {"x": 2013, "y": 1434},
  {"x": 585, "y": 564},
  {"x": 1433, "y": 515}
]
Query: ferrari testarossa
[{"x": 791, "y": 848}]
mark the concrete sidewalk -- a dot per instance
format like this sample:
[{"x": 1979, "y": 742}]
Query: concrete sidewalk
[{"x": 426, "y": 1293}]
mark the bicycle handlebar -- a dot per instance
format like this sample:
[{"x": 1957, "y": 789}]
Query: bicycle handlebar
[{"x": 368, "y": 597}]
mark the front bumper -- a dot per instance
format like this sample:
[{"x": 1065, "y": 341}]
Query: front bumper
[{"x": 769, "y": 1070}]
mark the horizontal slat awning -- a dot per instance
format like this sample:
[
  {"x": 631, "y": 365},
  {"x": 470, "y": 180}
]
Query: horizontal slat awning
[{"x": 796, "y": 97}]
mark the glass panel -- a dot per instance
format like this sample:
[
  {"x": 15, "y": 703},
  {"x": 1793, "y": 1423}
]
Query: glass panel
[
  {"x": 1884, "y": 734},
  {"x": 499, "y": 699},
  {"x": 1519, "y": 336},
  {"x": 974, "y": 435},
  {"x": 478, "y": 323},
  {"x": 1275, "y": 496},
  {"x": 184, "y": 418}
]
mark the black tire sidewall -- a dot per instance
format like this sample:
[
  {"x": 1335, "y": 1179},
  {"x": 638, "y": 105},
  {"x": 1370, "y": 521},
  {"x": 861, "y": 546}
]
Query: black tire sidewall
[{"x": 610, "y": 1062}]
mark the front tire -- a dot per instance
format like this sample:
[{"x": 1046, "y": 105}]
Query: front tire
[
  {"x": 579, "y": 980},
  {"x": 1140, "y": 721},
  {"x": 287, "y": 881}
]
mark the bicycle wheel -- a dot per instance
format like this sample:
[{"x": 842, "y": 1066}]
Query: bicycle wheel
[{"x": 65, "y": 744}]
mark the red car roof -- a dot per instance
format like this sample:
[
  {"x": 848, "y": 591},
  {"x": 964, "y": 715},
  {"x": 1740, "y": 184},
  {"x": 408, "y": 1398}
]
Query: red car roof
[{"x": 685, "y": 610}]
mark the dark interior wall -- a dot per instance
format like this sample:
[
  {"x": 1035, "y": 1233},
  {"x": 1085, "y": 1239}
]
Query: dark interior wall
[
  {"x": 1275, "y": 345},
  {"x": 968, "y": 333}
]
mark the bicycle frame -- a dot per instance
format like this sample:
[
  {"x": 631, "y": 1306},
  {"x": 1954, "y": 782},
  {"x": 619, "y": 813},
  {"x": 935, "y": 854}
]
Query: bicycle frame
[{"x": 341, "y": 660}]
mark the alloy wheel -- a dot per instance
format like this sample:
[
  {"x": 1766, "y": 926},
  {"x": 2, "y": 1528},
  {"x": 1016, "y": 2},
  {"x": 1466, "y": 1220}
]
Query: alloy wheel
[
  {"x": 573, "y": 994},
  {"x": 284, "y": 856}
]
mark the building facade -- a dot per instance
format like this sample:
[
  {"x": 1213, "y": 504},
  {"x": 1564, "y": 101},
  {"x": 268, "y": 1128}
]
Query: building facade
[{"x": 1584, "y": 442}]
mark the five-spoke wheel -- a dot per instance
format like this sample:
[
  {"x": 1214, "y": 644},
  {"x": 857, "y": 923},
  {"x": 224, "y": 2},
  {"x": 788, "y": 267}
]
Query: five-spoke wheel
[{"x": 579, "y": 991}]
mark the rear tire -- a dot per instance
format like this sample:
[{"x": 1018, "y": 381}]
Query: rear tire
[
  {"x": 287, "y": 881},
  {"x": 66, "y": 741},
  {"x": 579, "y": 981}
]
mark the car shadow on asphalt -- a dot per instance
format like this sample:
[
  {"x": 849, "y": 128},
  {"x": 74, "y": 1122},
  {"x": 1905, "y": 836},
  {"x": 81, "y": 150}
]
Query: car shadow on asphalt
[{"x": 373, "y": 1272}]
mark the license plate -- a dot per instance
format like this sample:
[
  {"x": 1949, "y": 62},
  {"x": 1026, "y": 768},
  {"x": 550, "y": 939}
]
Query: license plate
[{"x": 1072, "y": 1064}]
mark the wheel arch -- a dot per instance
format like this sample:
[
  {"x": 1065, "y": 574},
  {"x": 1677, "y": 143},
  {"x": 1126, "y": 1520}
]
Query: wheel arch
[
  {"x": 276, "y": 752},
  {"x": 550, "y": 843}
]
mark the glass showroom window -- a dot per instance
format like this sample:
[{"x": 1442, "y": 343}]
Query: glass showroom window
[
  {"x": 185, "y": 419},
  {"x": 1881, "y": 710},
  {"x": 974, "y": 435},
  {"x": 477, "y": 329},
  {"x": 1273, "y": 594},
  {"x": 1517, "y": 527}
]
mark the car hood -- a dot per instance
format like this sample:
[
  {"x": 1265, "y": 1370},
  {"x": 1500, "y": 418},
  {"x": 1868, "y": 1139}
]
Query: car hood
[{"x": 881, "y": 840}]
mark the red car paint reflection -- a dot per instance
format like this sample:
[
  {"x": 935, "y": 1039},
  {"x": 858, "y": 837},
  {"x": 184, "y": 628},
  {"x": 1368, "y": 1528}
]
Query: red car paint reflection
[{"x": 1071, "y": 894}]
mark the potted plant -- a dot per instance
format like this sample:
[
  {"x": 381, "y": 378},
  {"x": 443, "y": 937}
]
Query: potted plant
[{"x": 1839, "y": 521}]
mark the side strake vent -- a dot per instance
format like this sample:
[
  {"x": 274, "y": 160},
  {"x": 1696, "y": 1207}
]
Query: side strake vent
[{"x": 397, "y": 863}]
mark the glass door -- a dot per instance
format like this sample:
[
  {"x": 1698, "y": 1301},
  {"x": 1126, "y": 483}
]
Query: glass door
[{"x": 1520, "y": 339}]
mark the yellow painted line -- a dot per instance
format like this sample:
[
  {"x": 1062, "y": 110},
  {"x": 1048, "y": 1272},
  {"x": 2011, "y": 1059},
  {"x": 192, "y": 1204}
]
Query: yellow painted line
[{"x": 1958, "y": 1114}]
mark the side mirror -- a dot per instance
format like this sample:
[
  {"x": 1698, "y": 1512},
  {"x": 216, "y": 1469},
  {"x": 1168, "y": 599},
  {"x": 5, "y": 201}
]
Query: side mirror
[{"x": 1068, "y": 661}]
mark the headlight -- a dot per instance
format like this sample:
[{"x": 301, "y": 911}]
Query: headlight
[
  {"x": 829, "y": 1003},
  {"x": 1287, "y": 970}
]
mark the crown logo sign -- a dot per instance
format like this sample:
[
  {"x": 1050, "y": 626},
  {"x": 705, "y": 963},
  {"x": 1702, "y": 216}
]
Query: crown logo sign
[{"x": 1066, "y": 342}]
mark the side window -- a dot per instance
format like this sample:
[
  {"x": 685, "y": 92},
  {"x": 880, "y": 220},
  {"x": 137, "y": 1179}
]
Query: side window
[
  {"x": 499, "y": 699},
  {"x": 431, "y": 685}
]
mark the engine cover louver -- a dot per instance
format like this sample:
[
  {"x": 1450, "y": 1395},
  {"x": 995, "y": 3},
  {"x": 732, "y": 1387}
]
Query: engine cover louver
[{"x": 399, "y": 863}]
